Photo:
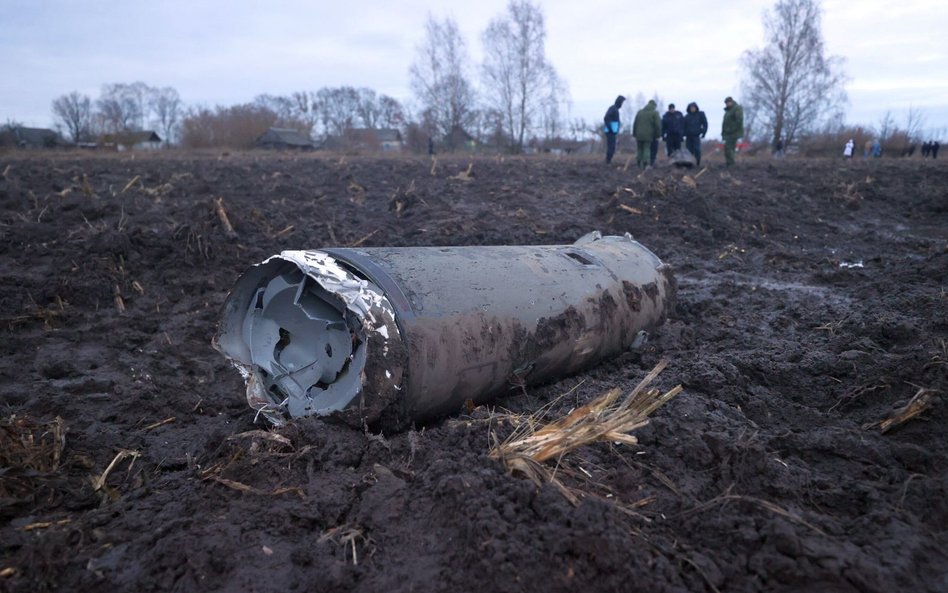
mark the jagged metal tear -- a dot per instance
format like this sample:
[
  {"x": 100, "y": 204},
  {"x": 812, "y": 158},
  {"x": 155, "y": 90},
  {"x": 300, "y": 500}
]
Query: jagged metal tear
[{"x": 308, "y": 349}]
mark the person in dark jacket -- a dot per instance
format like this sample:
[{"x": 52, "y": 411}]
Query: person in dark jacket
[
  {"x": 696, "y": 126},
  {"x": 611, "y": 127},
  {"x": 934, "y": 148},
  {"x": 646, "y": 128},
  {"x": 673, "y": 128}
]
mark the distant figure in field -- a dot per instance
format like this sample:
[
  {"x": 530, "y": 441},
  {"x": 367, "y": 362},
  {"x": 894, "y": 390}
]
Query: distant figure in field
[
  {"x": 732, "y": 128},
  {"x": 935, "y": 147},
  {"x": 696, "y": 126},
  {"x": 848, "y": 149},
  {"x": 430, "y": 146},
  {"x": 646, "y": 128},
  {"x": 778, "y": 148},
  {"x": 867, "y": 149},
  {"x": 926, "y": 149},
  {"x": 611, "y": 127},
  {"x": 876, "y": 148},
  {"x": 673, "y": 128}
]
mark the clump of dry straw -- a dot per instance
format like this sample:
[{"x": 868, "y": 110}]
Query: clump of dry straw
[{"x": 606, "y": 418}]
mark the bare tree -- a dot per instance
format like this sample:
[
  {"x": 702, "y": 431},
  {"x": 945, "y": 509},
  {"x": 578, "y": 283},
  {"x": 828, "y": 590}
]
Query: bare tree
[
  {"x": 886, "y": 126},
  {"x": 237, "y": 126},
  {"x": 338, "y": 107},
  {"x": 391, "y": 113},
  {"x": 166, "y": 105},
  {"x": 368, "y": 108},
  {"x": 278, "y": 104},
  {"x": 439, "y": 78},
  {"x": 914, "y": 123},
  {"x": 516, "y": 73},
  {"x": 790, "y": 86},
  {"x": 297, "y": 111},
  {"x": 555, "y": 107},
  {"x": 121, "y": 107},
  {"x": 140, "y": 93},
  {"x": 74, "y": 112},
  {"x": 306, "y": 109}
]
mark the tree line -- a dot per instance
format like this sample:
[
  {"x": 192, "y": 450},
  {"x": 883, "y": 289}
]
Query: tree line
[
  {"x": 519, "y": 98},
  {"x": 791, "y": 91}
]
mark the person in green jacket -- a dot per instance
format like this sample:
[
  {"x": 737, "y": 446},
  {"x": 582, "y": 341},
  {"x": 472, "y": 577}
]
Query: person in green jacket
[
  {"x": 732, "y": 128},
  {"x": 646, "y": 127}
]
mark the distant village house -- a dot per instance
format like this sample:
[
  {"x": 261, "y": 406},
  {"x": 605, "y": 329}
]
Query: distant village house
[
  {"x": 369, "y": 139},
  {"x": 284, "y": 139},
  {"x": 459, "y": 139},
  {"x": 124, "y": 141},
  {"x": 31, "y": 138}
]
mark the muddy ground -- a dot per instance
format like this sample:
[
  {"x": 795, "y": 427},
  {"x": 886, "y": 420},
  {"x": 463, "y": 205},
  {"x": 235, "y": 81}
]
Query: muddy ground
[{"x": 812, "y": 305}]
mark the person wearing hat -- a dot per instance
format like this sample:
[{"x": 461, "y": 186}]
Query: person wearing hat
[
  {"x": 646, "y": 128},
  {"x": 732, "y": 128},
  {"x": 673, "y": 128},
  {"x": 611, "y": 127}
]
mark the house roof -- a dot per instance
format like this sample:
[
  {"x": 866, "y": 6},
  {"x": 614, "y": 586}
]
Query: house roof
[
  {"x": 368, "y": 138},
  {"x": 285, "y": 136},
  {"x": 131, "y": 138},
  {"x": 459, "y": 135},
  {"x": 388, "y": 135},
  {"x": 36, "y": 136}
]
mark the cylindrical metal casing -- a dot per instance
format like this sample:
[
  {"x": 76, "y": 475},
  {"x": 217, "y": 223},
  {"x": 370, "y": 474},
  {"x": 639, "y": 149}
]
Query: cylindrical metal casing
[{"x": 471, "y": 323}]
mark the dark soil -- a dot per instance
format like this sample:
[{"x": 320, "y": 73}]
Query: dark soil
[{"x": 761, "y": 476}]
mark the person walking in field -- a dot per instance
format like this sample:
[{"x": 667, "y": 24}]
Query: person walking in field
[
  {"x": 646, "y": 128},
  {"x": 696, "y": 126},
  {"x": 732, "y": 128},
  {"x": 611, "y": 127},
  {"x": 673, "y": 128},
  {"x": 934, "y": 148},
  {"x": 848, "y": 149}
]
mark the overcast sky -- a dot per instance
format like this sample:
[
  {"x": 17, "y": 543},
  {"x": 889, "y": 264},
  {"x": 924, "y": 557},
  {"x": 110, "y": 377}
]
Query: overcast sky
[{"x": 215, "y": 52}]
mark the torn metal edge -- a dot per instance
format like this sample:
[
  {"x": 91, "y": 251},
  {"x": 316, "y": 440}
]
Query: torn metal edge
[{"x": 383, "y": 373}]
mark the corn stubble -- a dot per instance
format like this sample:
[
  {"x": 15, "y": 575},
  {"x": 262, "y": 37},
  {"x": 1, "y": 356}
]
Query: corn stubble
[{"x": 609, "y": 417}]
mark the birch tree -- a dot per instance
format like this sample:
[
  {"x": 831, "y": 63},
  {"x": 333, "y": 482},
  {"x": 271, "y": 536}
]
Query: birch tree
[
  {"x": 790, "y": 86},
  {"x": 517, "y": 77},
  {"x": 166, "y": 104},
  {"x": 439, "y": 78}
]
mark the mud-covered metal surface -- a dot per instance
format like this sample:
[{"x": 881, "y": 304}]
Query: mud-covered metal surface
[{"x": 406, "y": 334}]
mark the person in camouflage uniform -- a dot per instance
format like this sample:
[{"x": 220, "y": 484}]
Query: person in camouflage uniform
[
  {"x": 646, "y": 128},
  {"x": 732, "y": 128}
]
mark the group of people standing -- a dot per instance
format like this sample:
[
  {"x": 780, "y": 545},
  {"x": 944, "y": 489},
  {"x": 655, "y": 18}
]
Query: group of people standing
[
  {"x": 873, "y": 148},
  {"x": 930, "y": 149},
  {"x": 672, "y": 127}
]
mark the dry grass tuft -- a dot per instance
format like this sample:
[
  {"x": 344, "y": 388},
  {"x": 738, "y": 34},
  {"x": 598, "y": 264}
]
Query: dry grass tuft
[
  {"x": 29, "y": 449},
  {"x": 29, "y": 444},
  {"x": 606, "y": 418},
  {"x": 921, "y": 401}
]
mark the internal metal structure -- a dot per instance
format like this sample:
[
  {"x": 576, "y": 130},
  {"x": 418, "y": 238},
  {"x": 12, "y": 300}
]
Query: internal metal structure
[{"x": 308, "y": 349}]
